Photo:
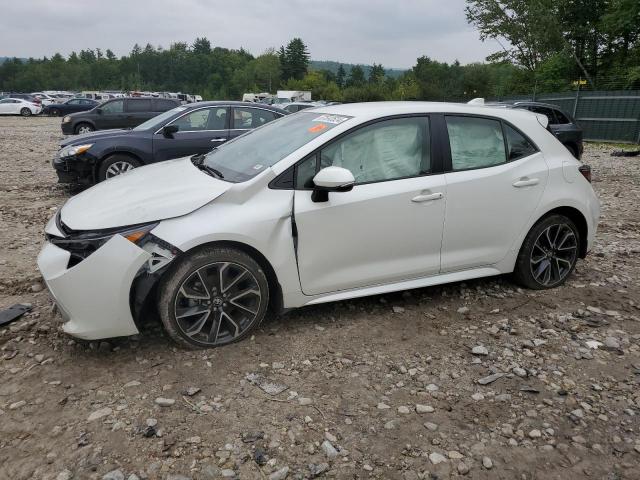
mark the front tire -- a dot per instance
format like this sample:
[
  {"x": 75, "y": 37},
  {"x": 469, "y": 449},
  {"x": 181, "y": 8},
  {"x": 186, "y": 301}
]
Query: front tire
[
  {"x": 26, "y": 112},
  {"x": 83, "y": 128},
  {"x": 116, "y": 165},
  {"x": 54, "y": 112},
  {"x": 213, "y": 297},
  {"x": 548, "y": 254}
]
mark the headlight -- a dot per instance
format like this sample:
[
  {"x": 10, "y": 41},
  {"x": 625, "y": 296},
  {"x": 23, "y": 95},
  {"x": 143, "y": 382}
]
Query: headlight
[
  {"x": 73, "y": 150},
  {"x": 83, "y": 244},
  {"x": 66, "y": 119}
]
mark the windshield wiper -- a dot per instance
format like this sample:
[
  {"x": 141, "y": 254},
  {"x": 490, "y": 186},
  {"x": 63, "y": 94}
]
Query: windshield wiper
[{"x": 198, "y": 161}]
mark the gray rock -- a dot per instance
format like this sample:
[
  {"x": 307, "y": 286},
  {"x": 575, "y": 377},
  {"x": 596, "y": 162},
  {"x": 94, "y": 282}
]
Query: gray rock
[
  {"x": 318, "y": 469},
  {"x": 279, "y": 474},
  {"x": 487, "y": 463},
  {"x": 164, "y": 402},
  {"x": 424, "y": 409},
  {"x": 612, "y": 343},
  {"x": 463, "y": 469},
  {"x": 329, "y": 450},
  {"x": 98, "y": 414},
  {"x": 64, "y": 475},
  {"x": 113, "y": 475},
  {"x": 437, "y": 458},
  {"x": 490, "y": 379},
  {"x": 480, "y": 350}
]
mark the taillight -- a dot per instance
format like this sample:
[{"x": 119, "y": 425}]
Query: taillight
[{"x": 585, "y": 170}]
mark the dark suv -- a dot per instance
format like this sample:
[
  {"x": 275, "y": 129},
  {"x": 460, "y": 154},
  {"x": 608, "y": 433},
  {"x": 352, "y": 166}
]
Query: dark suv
[
  {"x": 186, "y": 130},
  {"x": 117, "y": 113},
  {"x": 561, "y": 124}
]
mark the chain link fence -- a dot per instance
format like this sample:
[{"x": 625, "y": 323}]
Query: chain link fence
[{"x": 608, "y": 116}]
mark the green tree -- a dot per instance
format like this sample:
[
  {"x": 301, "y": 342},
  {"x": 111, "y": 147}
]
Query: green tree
[
  {"x": 294, "y": 59},
  {"x": 377, "y": 74},
  {"x": 356, "y": 77},
  {"x": 340, "y": 76}
]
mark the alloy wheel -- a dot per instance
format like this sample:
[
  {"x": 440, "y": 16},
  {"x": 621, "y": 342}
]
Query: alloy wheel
[
  {"x": 553, "y": 254},
  {"x": 217, "y": 303},
  {"x": 118, "y": 168},
  {"x": 85, "y": 129}
]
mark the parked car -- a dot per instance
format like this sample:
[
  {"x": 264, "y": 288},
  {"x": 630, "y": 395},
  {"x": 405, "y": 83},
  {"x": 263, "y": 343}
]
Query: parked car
[
  {"x": 561, "y": 124},
  {"x": 72, "y": 105},
  {"x": 24, "y": 96},
  {"x": 18, "y": 106},
  {"x": 328, "y": 204},
  {"x": 116, "y": 113},
  {"x": 185, "y": 130},
  {"x": 297, "y": 106},
  {"x": 44, "y": 98}
]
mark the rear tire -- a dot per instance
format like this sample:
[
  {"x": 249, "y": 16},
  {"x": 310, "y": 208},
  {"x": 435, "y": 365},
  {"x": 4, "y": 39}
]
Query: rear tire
[
  {"x": 116, "y": 165},
  {"x": 213, "y": 297},
  {"x": 83, "y": 128},
  {"x": 548, "y": 254},
  {"x": 26, "y": 112},
  {"x": 54, "y": 112}
]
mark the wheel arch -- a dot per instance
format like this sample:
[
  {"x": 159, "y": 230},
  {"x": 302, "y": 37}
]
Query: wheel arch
[
  {"x": 83, "y": 120},
  {"x": 578, "y": 218},
  {"x": 107, "y": 155}
]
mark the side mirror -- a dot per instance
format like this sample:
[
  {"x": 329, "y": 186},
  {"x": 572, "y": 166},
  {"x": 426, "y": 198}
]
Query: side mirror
[
  {"x": 99, "y": 111},
  {"x": 169, "y": 130},
  {"x": 331, "y": 179}
]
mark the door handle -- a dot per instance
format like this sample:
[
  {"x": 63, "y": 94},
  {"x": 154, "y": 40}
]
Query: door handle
[
  {"x": 218, "y": 139},
  {"x": 526, "y": 182},
  {"x": 427, "y": 198}
]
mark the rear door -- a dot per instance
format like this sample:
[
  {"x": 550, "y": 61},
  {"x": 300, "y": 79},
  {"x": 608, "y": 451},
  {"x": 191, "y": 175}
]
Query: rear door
[
  {"x": 199, "y": 131},
  {"x": 7, "y": 106},
  {"x": 495, "y": 180},
  {"x": 248, "y": 118},
  {"x": 138, "y": 110}
]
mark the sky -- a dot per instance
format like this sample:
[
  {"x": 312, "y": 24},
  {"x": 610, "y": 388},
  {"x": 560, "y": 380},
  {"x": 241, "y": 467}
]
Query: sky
[{"x": 392, "y": 32}]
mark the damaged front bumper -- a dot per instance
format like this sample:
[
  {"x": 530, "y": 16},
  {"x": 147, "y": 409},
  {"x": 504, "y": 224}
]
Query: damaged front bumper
[{"x": 94, "y": 294}]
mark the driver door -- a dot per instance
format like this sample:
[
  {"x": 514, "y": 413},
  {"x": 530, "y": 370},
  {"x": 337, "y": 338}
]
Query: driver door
[
  {"x": 388, "y": 228},
  {"x": 199, "y": 131}
]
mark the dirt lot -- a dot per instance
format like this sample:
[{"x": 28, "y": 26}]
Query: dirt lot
[{"x": 382, "y": 387}]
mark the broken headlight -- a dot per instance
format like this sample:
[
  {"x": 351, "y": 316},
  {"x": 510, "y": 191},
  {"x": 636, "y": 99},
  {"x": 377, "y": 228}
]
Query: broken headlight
[{"x": 81, "y": 244}]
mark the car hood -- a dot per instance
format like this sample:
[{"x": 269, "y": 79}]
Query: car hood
[
  {"x": 146, "y": 194},
  {"x": 99, "y": 135}
]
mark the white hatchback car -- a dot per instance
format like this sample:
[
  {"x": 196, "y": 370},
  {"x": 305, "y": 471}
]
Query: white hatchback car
[
  {"x": 18, "y": 106},
  {"x": 328, "y": 204}
]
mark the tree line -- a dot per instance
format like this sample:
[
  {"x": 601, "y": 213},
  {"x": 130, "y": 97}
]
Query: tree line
[{"x": 545, "y": 45}]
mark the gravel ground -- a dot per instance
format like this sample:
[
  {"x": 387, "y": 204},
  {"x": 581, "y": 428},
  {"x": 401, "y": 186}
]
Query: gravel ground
[{"x": 383, "y": 387}]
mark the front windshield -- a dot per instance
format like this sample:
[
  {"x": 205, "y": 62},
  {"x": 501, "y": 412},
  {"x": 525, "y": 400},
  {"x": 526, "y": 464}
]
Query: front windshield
[
  {"x": 157, "y": 121},
  {"x": 248, "y": 155}
]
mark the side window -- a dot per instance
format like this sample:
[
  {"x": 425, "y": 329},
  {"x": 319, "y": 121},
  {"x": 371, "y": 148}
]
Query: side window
[
  {"x": 246, "y": 118},
  {"x": 545, "y": 111},
  {"x": 163, "y": 105},
  {"x": 475, "y": 142},
  {"x": 76, "y": 102},
  {"x": 305, "y": 171},
  {"x": 203, "y": 119},
  {"x": 386, "y": 150},
  {"x": 562, "y": 118},
  {"x": 117, "y": 106},
  {"x": 143, "y": 105},
  {"x": 519, "y": 147}
]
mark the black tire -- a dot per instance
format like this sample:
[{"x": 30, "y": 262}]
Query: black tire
[
  {"x": 195, "y": 283},
  {"x": 54, "y": 112},
  {"x": 83, "y": 127},
  {"x": 25, "y": 112},
  {"x": 115, "y": 165},
  {"x": 548, "y": 254}
]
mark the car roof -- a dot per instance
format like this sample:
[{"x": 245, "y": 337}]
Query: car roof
[
  {"x": 381, "y": 109},
  {"x": 233, "y": 103}
]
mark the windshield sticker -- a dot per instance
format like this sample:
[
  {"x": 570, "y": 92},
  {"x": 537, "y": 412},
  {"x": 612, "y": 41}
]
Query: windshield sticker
[
  {"x": 258, "y": 167},
  {"x": 335, "y": 119},
  {"x": 317, "y": 128}
]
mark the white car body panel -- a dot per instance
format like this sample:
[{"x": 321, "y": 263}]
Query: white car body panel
[
  {"x": 157, "y": 191},
  {"x": 485, "y": 211},
  {"x": 373, "y": 234},
  {"x": 15, "y": 108},
  {"x": 373, "y": 239},
  {"x": 94, "y": 305}
]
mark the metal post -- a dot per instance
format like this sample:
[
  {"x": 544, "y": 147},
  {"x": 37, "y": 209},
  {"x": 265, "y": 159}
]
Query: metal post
[{"x": 575, "y": 103}]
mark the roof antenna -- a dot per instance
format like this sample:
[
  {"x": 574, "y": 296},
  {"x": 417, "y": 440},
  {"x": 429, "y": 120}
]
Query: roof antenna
[{"x": 476, "y": 101}]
